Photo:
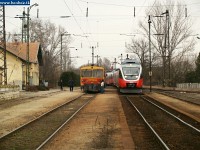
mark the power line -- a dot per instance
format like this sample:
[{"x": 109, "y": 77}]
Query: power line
[
  {"x": 76, "y": 21},
  {"x": 120, "y": 5},
  {"x": 14, "y": 24},
  {"x": 78, "y": 6}
]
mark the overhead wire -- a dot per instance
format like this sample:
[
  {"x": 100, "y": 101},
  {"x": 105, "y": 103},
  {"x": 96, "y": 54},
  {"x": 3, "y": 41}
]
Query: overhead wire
[
  {"x": 108, "y": 4},
  {"x": 76, "y": 22},
  {"x": 88, "y": 24}
]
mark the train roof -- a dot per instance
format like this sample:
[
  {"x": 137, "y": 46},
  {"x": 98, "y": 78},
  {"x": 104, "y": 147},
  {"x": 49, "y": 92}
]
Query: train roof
[
  {"x": 91, "y": 67},
  {"x": 130, "y": 61},
  {"x": 110, "y": 72}
]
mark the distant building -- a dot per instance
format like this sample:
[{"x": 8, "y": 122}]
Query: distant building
[{"x": 16, "y": 63}]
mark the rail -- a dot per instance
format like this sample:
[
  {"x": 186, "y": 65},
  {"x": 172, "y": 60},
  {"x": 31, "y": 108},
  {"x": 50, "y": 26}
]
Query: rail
[{"x": 157, "y": 123}]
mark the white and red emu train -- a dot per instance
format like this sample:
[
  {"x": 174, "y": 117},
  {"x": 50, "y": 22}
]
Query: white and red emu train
[{"x": 128, "y": 77}]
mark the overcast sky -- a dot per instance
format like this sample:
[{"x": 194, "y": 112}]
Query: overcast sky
[{"x": 109, "y": 23}]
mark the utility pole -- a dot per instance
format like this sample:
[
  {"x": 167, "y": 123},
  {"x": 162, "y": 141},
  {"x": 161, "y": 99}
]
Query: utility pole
[
  {"x": 61, "y": 50},
  {"x": 28, "y": 47},
  {"x": 121, "y": 58},
  {"x": 97, "y": 60},
  {"x": 150, "y": 72},
  {"x": 92, "y": 55},
  {"x": 24, "y": 26},
  {"x": 3, "y": 67},
  {"x": 169, "y": 52},
  {"x": 115, "y": 62},
  {"x": 27, "y": 51},
  {"x": 167, "y": 45}
]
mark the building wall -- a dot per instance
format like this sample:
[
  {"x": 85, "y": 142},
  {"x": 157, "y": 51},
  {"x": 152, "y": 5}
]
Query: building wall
[
  {"x": 34, "y": 74},
  {"x": 14, "y": 71}
]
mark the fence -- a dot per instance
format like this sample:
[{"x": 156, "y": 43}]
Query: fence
[{"x": 188, "y": 85}]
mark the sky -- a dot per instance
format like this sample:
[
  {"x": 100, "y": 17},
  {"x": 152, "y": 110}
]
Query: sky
[{"x": 110, "y": 25}]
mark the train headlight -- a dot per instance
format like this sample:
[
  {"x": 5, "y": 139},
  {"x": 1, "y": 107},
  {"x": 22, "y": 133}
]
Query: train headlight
[{"x": 125, "y": 76}]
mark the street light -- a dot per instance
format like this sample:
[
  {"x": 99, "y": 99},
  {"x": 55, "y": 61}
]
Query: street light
[{"x": 27, "y": 65}]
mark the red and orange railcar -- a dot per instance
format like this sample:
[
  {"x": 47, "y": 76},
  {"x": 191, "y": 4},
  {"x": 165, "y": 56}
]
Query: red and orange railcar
[{"x": 91, "y": 77}]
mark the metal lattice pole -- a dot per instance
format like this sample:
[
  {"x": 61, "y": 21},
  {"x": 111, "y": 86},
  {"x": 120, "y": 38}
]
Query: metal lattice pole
[{"x": 3, "y": 68}]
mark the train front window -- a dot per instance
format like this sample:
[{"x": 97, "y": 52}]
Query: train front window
[
  {"x": 134, "y": 71},
  {"x": 98, "y": 73},
  {"x": 131, "y": 73},
  {"x": 92, "y": 73},
  {"x": 86, "y": 73}
]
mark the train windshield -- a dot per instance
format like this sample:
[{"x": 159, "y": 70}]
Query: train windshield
[
  {"x": 92, "y": 73},
  {"x": 98, "y": 73},
  {"x": 86, "y": 73},
  {"x": 131, "y": 73}
]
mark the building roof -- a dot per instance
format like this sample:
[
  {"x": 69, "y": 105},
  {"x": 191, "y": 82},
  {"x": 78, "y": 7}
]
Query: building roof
[{"x": 19, "y": 49}]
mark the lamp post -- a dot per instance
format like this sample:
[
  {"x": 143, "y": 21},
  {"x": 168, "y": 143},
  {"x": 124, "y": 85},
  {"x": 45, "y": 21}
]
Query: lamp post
[{"x": 27, "y": 52}]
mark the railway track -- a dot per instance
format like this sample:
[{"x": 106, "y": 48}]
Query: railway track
[
  {"x": 168, "y": 129},
  {"x": 36, "y": 133}
]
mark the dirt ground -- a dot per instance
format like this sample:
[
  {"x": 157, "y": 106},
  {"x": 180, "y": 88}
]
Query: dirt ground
[{"x": 101, "y": 125}]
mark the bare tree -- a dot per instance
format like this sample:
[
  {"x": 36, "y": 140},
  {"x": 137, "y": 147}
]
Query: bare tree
[
  {"x": 170, "y": 30},
  {"x": 141, "y": 49},
  {"x": 105, "y": 62},
  {"x": 50, "y": 38}
]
